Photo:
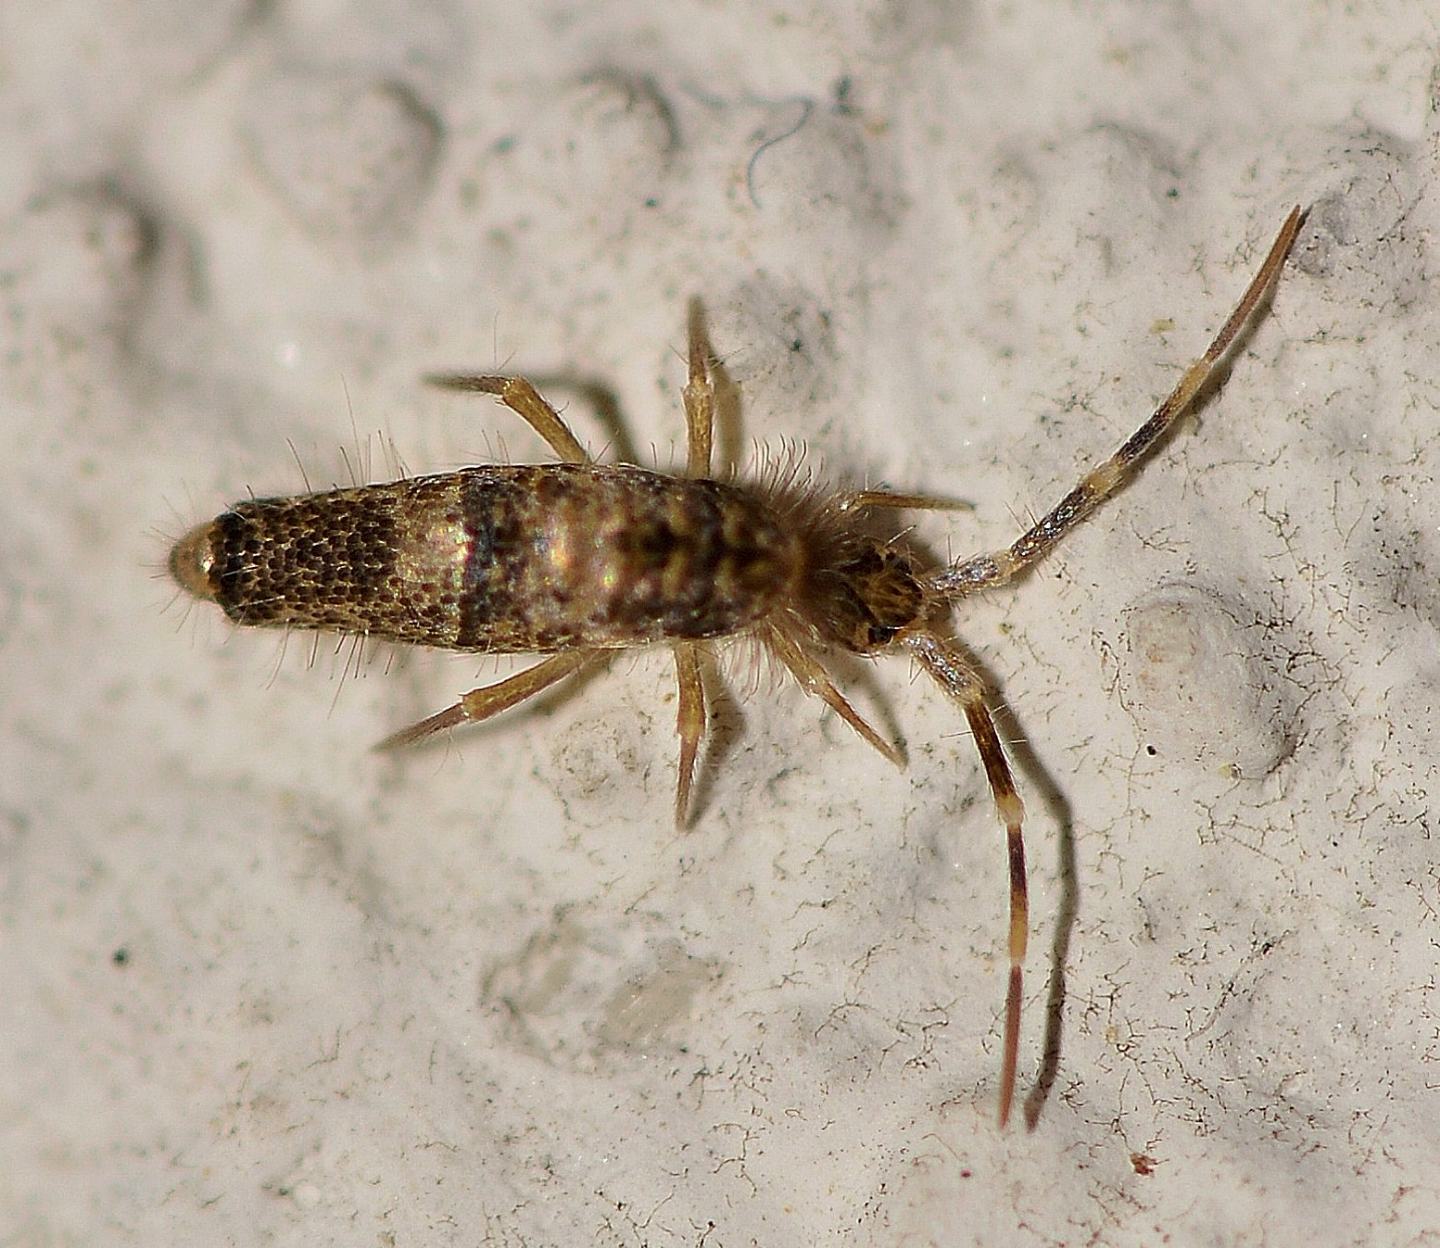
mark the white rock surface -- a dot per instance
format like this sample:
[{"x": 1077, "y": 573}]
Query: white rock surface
[{"x": 263, "y": 986}]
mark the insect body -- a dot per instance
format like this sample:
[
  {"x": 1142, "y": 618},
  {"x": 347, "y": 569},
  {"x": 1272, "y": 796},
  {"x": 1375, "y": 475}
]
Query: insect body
[
  {"x": 533, "y": 559},
  {"x": 577, "y": 559}
]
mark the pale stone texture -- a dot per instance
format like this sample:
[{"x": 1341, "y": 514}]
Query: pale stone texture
[{"x": 264, "y": 986}]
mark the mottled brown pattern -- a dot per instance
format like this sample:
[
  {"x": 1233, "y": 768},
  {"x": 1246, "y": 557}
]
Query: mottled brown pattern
[
  {"x": 376, "y": 559},
  {"x": 523, "y": 559},
  {"x": 609, "y": 557}
]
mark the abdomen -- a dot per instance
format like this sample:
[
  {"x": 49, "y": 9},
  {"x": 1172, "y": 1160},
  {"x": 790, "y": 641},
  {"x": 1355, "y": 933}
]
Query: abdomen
[{"x": 507, "y": 559}]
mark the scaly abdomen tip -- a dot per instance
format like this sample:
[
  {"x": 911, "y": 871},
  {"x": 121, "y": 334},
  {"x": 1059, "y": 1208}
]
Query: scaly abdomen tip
[{"x": 191, "y": 559}]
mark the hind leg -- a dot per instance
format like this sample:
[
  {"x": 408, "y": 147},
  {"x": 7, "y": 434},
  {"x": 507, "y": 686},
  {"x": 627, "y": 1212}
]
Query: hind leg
[{"x": 490, "y": 700}]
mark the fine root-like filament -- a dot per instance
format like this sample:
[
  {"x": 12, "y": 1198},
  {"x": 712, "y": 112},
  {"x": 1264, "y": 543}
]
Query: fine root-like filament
[{"x": 944, "y": 661}]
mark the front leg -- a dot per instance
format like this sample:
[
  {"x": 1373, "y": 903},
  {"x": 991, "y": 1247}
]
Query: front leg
[{"x": 811, "y": 676}]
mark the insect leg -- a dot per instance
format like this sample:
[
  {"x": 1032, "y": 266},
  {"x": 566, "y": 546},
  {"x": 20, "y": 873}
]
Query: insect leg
[
  {"x": 482, "y": 703},
  {"x": 955, "y": 673},
  {"x": 813, "y": 678},
  {"x": 902, "y": 502},
  {"x": 699, "y": 395},
  {"x": 981, "y": 571},
  {"x": 522, "y": 398},
  {"x": 689, "y": 722}
]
